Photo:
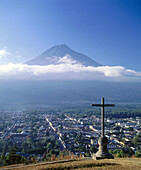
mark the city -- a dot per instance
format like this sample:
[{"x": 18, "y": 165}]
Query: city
[{"x": 43, "y": 133}]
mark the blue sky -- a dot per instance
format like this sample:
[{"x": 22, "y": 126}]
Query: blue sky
[{"x": 109, "y": 31}]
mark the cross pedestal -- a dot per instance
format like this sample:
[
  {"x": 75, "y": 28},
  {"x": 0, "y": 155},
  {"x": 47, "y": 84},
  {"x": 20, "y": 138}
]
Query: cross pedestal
[{"x": 102, "y": 152}]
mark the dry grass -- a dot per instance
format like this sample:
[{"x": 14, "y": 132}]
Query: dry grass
[{"x": 116, "y": 164}]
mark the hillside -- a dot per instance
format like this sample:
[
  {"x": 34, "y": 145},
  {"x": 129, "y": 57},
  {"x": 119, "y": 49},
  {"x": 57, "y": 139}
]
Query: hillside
[{"x": 115, "y": 164}]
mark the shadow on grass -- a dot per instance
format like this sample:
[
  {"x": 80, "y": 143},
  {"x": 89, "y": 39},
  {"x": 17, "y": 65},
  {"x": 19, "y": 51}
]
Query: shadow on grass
[{"x": 76, "y": 166}]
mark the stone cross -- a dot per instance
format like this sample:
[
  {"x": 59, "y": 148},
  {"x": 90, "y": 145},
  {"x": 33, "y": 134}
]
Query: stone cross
[
  {"x": 102, "y": 105},
  {"x": 102, "y": 152}
]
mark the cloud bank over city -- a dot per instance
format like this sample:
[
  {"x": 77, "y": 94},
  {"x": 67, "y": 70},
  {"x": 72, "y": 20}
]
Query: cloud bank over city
[{"x": 69, "y": 70}]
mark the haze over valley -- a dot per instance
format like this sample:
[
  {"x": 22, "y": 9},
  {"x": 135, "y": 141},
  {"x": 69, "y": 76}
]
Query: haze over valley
[{"x": 61, "y": 75}]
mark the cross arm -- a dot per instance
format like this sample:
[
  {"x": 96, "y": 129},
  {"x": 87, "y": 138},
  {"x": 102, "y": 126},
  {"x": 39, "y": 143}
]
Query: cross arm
[{"x": 101, "y": 105}]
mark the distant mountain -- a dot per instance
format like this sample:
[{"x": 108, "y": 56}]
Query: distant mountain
[{"x": 62, "y": 54}]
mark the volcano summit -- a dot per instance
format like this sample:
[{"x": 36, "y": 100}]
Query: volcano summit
[{"x": 62, "y": 54}]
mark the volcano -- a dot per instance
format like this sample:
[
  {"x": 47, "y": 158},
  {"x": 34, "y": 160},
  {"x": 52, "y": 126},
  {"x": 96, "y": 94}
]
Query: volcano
[{"x": 62, "y": 54}]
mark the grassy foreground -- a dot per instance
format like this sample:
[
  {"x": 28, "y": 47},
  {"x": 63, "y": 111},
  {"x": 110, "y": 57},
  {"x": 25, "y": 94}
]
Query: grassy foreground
[{"x": 106, "y": 164}]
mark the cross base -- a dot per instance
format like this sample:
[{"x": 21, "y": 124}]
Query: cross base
[
  {"x": 103, "y": 152},
  {"x": 102, "y": 156}
]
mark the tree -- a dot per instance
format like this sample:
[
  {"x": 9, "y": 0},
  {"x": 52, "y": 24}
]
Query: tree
[
  {"x": 93, "y": 149},
  {"x": 87, "y": 154},
  {"x": 2, "y": 159},
  {"x": 110, "y": 151},
  {"x": 137, "y": 154},
  {"x": 14, "y": 158},
  {"x": 118, "y": 155},
  {"x": 116, "y": 151},
  {"x": 137, "y": 139},
  {"x": 122, "y": 154},
  {"x": 130, "y": 129}
]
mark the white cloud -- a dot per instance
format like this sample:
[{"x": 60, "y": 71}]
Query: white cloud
[
  {"x": 4, "y": 53},
  {"x": 19, "y": 56},
  {"x": 66, "y": 68},
  {"x": 68, "y": 71},
  {"x": 67, "y": 59}
]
